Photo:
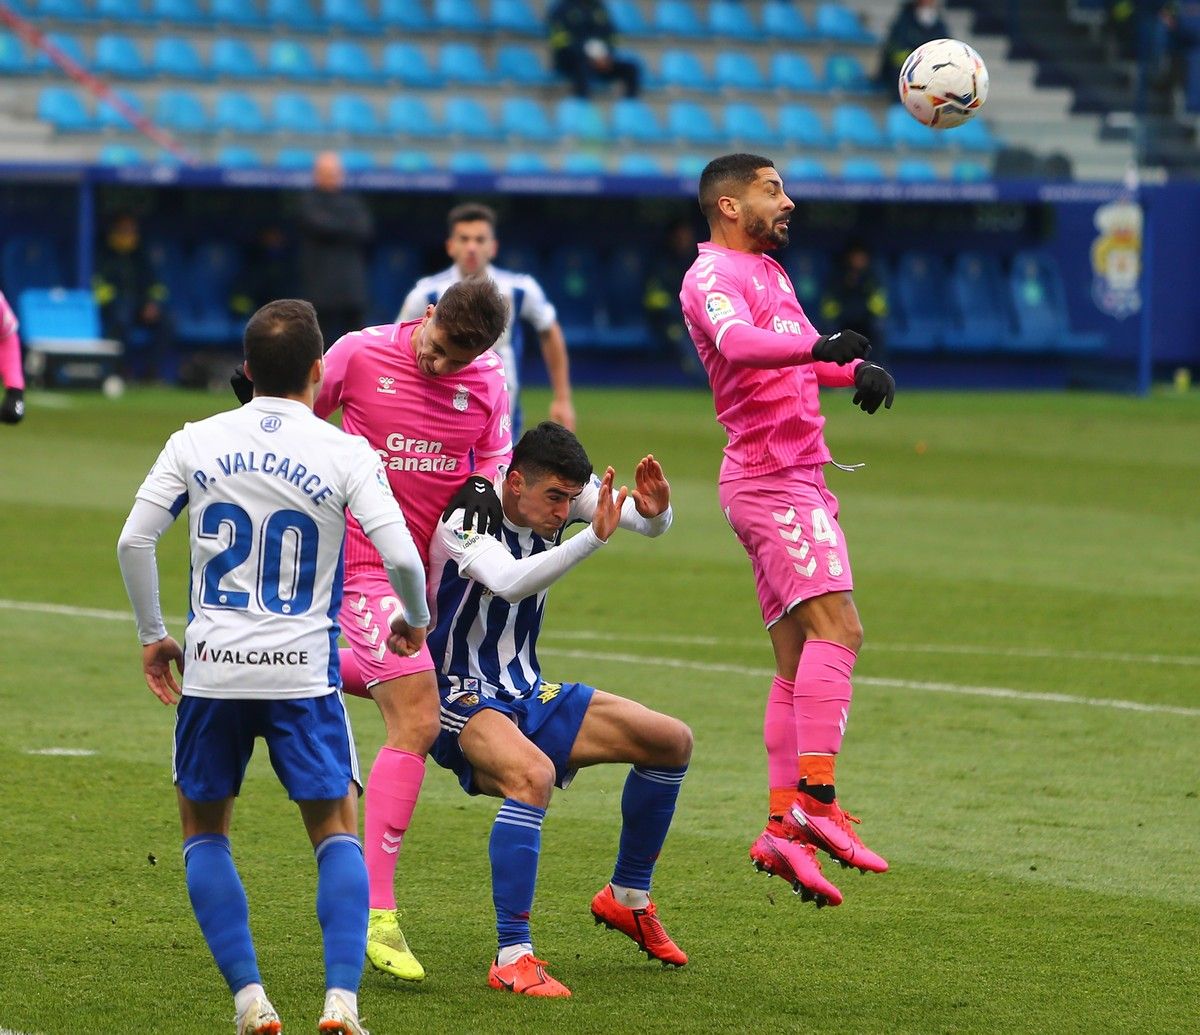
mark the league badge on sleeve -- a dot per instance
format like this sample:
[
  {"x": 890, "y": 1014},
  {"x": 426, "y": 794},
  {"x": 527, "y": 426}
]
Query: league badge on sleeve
[{"x": 718, "y": 307}]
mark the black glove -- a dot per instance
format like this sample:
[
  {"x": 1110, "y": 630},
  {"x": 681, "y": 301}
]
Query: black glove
[
  {"x": 13, "y": 407},
  {"x": 481, "y": 504},
  {"x": 242, "y": 386},
  {"x": 840, "y": 347},
  {"x": 874, "y": 386}
]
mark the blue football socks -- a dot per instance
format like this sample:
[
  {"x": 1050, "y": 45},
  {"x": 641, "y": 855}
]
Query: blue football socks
[
  {"x": 515, "y": 845},
  {"x": 647, "y": 807},
  {"x": 342, "y": 909},
  {"x": 219, "y": 902}
]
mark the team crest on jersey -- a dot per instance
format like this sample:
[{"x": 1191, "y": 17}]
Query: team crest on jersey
[
  {"x": 835, "y": 564},
  {"x": 387, "y": 385},
  {"x": 549, "y": 691},
  {"x": 718, "y": 307},
  {"x": 783, "y": 284},
  {"x": 270, "y": 423},
  {"x": 461, "y": 398}
]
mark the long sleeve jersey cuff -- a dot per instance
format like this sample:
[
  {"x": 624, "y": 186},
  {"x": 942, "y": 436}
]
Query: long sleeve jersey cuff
[
  {"x": 649, "y": 527},
  {"x": 139, "y": 567},
  {"x": 747, "y": 346}
]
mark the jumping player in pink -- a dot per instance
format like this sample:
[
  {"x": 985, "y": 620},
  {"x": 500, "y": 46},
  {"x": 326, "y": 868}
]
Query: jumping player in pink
[
  {"x": 12, "y": 407},
  {"x": 765, "y": 363},
  {"x": 429, "y": 397}
]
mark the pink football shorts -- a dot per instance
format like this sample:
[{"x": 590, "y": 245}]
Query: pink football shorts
[
  {"x": 787, "y": 523},
  {"x": 368, "y": 604}
]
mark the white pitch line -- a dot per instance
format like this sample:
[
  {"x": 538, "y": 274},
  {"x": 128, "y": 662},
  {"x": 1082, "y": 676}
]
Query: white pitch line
[{"x": 1000, "y": 692}]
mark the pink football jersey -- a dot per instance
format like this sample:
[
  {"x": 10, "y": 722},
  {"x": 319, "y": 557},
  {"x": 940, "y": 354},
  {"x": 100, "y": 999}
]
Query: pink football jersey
[
  {"x": 8, "y": 319},
  {"x": 426, "y": 430},
  {"x": 756, "y": 344}
]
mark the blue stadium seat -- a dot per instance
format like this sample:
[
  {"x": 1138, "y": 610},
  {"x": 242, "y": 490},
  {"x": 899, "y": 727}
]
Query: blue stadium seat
[
  {"x": 406, "y": 63},
  {"x": 855, "y": 126},
  {"x": 583, "y": 164},
  {"x": 296, "y": 113},
  {"x": 410, "y": 16},
  {"x": 731, "y": 20},
  {"x": 523, "y": 118},
  {"x": 71, "y": 46},
  {"x": 213, "y": 272},
  {"x": 291, "y": 60},
  {"x": 110, "y": 117},
  {"x": 734, "y": 70},
  {"x": 799, "y": 124},
  {"x": 239, "y": 157},
  {"x": 470, "y": 163},
  {"x": 295, "y": 158},
  {"x": 915, "y": 170},
  {"x": 411, "y": 161},
  {"x": 784, "y": 21},
  {"x": 351, "y": 16},
  {"x": 683, "y": 70},
  {"x": 926, "y": 307},
  {"x": 467, "y": 117},
  {"x": 29, "y": 261},
  {"x": 906, "y": 132},
  {"x": 181, "y": 111},
  {"x": 57, "y": 312},
  {"x": 175, "y": 57},
  {"x": 634, "y": 119},
  {"x": 572, "y": 279},
  {"x": 120, "y": 154},
  {"x": 638, "y": 165},
  {"x": 793, "y": 73},
  {"x": 65, "y": 109},
  {"x": 969, "y": 172},
  {"x": 1040, "y": 305},
  {"x": 846, "y": 73},
  {"x": 862, "y": 170},
  {"x": 238, "y": 112},
  {"x": 835, "y": 21},
  {"x": 122, "y": 12},
  {"x": 691, "y": 123},
  {"x": 354, "y": 115},
  {"x": 411, "y": 117},
  {"x": 624, "y": 288},
  {"x": 627, "y": 18},
  {"x": 460, "y": 15},
  {"x": 805, "y": 169},
  {"x": 972, "y": 136},
  {"x": 294, "y": 15},
  {"x": 13, "y": 59},
  {"x": 64, "y": 10},
  {"x": 354, "y": 160},
  {"x": 747, "y": 123},
  {"x": 522, "y": 64},
  {"x": 349, "y": 60},
  {"x": 980, "y": 292},
  {"x": 182, "y": 12},
  {"x": 235, "y": 59},
  {"x": 463, "y": 63},
  {"x": 578, "y": 119},
  {"x": 517, "y": 17},
  {"x": 393, "y": 268},
  {"x": 239, "y": 14},
  {"x": 119, "y": 57},
  {"x": 677, "y": 18},
  {"x": 526, "y": 163},
  {"x": 690, "y": 166}
]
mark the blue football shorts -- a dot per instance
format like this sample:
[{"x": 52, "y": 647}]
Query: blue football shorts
[
  {"x": 550, "y": 719},
  {"x": 309, "y": 741}
]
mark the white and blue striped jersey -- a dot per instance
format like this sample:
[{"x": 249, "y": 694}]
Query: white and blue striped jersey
[
  {"x": 526, "y": 301},
  {"x": 267, "y": 487},
  {"x": 488, "y": 596}
]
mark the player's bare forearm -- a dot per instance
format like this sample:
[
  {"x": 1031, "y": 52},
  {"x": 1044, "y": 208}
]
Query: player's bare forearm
[{"x": 558, "y": 370}]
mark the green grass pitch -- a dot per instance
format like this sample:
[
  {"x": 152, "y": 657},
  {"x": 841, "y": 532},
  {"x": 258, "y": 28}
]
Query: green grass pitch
[{"x": 1022, "y": 746}]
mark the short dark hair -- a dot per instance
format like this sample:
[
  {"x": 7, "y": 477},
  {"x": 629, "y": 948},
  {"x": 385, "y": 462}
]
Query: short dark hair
[
  {"x": 470, "y": 212},
  {"x": 281, "y": 342},
  {"x": 551, "y": 449},
  {"x": 723, "y": 176},
  {"x": 472, "y": 313}
]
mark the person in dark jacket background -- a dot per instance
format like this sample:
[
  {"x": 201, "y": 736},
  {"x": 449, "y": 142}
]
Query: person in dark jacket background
[
  {"x": 582, "y": 46},
  {"x": 334, "y": 230},
  {"x": 917, "y": 22}
]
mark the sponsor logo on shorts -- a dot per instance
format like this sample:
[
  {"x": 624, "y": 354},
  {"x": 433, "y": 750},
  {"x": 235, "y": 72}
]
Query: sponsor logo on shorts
[
  {"x": 549, "y": 691},
  {"x": 835, "y": 564},
  {"x": 247, "y": 656}
]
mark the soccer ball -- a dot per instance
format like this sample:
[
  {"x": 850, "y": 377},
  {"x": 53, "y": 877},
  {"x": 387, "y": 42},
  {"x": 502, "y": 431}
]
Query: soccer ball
[{"x": 943, "y": 83}]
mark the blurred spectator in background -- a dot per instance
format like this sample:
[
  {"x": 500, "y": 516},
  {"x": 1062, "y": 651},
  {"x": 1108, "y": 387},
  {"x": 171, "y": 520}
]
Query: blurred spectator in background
[
  {"x": 132, "y": 301},
  {"x": 12, "y": 407},
  {"x": 664, "y": 316},
  {"x": 335, "y": 228},
  {"x": 855, "y": 299},
  {"x": 917, "y": 22},
  {"x": 1150, "y": 32},
  {"x": 582, "y": 47},
  {"x": 269, "y": 272}
]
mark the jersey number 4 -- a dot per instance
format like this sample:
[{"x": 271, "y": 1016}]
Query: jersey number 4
[{"x": 287, "y": 559}]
